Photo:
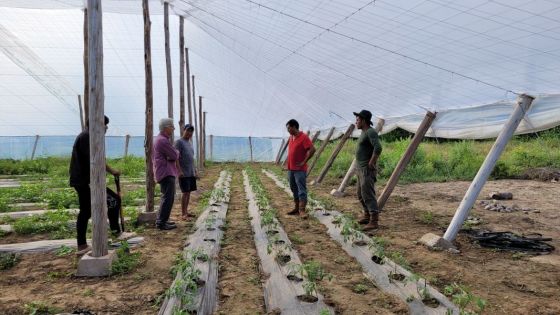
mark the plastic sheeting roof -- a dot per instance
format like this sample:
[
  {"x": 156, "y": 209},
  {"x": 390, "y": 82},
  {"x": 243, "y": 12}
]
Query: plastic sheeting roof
[{"x": 259, "y": 63}]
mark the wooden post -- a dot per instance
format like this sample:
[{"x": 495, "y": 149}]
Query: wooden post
[
  {"x": 315, "y": 136},
  {"x": 276, "y": 161},
  {"x": 251, "y": 148},
  {"x": 321, "y": 149},
  {"x": 211, "y": 147},
  {"x": 523, "y": 104},
  {"x": 405, "y": 159},
  {"x": 168, "y": 62},
  {"x": 86, "y": 66},
  {"x": 204, "y": 139},
  {"x": 188, "y": 85},
  {"x": 330, "y": 161},
  {"x": 181, "y": 75},
  {"x": 81, "y": 113},
  {"x": 194, "y": 115},
  {"x": 97, "y": 130},
  {"x": 200, "y": 144},
  {"x": 34, "y": 147},
  {"x": 282, "y": 151},
  {"x": 340, "y": 191},
  {"x": 149, "y": 132},
  {"x": 126, "y": 141}
]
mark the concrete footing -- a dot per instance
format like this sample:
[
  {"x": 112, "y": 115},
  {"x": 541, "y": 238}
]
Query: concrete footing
[
  {"x": 436, "y": 242},
  {"x": 147, "y": 217},
  {"x": 89, "y": 266}
]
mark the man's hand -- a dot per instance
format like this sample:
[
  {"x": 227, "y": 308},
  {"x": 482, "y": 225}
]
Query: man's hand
[
  {"x": 181, "y": 174},
  {"x": 300, "y": 164},
  {"x": 373, "y": 168}
]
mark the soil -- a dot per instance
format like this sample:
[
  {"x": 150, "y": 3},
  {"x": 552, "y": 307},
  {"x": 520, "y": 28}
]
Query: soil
[
  {"x": 50, "y": 279},
  {"x": 239, "y": 276},
  {"x": 509, "y": 281},
  {"x": 312, "y": 242}
]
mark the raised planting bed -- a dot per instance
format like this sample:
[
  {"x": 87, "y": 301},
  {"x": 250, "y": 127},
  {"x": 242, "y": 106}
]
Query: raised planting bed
[
  {"x": 388, "y": 275},
  {"x": 194, "y": 289},
  {"x": 291, "y": 286}
]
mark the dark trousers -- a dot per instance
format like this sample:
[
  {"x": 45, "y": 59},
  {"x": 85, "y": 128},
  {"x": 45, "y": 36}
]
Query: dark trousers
[
  {"x": 167, "y": 186},
  {"x": 366, "y": 190},
  {"x": 84, "y": 199}
]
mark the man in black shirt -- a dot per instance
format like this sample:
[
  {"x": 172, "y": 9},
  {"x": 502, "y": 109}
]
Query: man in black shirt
[{"x": 80, "y": 180}]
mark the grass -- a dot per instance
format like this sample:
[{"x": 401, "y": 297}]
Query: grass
[
  {"x": 53, "y": 222},
  {"x": 40, "y": 308},
  {"x": 126, "y": 261},
  {"x": 8, "y": 260},
  {"x": 447, "y": 160}
]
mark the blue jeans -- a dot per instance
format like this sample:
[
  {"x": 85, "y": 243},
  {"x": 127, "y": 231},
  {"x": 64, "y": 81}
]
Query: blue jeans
[{"x": 298, "y": 184}]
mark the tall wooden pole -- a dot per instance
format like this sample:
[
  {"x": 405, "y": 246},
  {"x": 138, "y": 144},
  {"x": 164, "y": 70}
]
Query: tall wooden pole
[
  {"x": 251, "y": 148},
  {"x": 188, "y": 85},
  {"x": 321, "y": 149},
  {"x": 315, "y": 136},
  {"x": 81, "y": 113},
  {"x": 181, "y": 75},
  {"x": 86, "y": 66},
  {"x": 204, "y": 139},
  {"x": 194, "y": 114},
  {"x": 97, "y": 130},
  {"x": 34, "y": 147},
  {"x": 405, "y": 159},
  {"x": 334, "y": 155},
  {"x": 523, "y": 104},
  {"x": 340, "y": 191},
  {"x": 126, "y": 141},
  {"x": 201, "y": 142},
  {"x": 168, "y": 62},
  {"x": 149, "y": 132}
]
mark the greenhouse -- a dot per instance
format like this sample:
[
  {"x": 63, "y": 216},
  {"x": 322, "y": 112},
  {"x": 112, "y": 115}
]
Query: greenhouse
[{"x": 279, "y": 157}]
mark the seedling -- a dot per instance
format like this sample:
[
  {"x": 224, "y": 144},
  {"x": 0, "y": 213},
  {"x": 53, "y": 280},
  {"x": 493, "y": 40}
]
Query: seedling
[
  {"x": 64, "y": 251},
  {"x": 360, "y": 288},
  {"x": 464, "y": 299},
  {"x": 126, "y": 261},
  {"x": 312, "y": 272},
  {"x": 349, "y": 228}
]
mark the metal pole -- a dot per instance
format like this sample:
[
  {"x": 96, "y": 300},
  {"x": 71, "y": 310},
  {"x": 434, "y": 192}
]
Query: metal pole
[{"x": 523, "y": 104}]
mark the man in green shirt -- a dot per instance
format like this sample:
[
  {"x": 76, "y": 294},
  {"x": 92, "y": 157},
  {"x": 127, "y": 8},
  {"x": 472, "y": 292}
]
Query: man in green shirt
[{"x": 367, "y": 154}]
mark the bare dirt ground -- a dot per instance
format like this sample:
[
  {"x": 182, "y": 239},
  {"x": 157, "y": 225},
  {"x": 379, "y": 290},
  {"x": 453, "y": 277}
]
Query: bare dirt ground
[
  {"x": 239, "y": 276},
  {"x": 50, "y": 279},
  {"x": 312, "y": 242},
  {"x": 510, "y": 282}
]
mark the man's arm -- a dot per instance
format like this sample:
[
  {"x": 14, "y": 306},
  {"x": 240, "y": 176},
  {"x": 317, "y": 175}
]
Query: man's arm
[
  {"x": 374, "y": 139},
  {"x": 170, "y": 153},
  {"x": 112, "y": 171},
  {"x": 309, "y": 154}
]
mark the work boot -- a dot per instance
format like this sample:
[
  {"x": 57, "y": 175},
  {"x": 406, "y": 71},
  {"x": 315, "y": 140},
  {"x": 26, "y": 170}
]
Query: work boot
[
  {"x": 373, "y": 222},
  {"x": 295, "y": 211},
  {"x": 364, "y": 219},
  {"x": 302, "y": 208}
]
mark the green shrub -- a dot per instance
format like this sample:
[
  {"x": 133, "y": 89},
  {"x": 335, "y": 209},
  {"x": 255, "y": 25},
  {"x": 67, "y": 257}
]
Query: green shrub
[{"x": 8, "y": 260}]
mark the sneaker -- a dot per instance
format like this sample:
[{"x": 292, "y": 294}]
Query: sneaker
[
  {"x": 171, "y": 222},
  {"x": 166, "y": 226}
]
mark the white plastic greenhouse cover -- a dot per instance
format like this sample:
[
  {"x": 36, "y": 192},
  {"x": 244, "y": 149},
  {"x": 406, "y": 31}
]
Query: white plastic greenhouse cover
[{"x": 259, "y": 63}]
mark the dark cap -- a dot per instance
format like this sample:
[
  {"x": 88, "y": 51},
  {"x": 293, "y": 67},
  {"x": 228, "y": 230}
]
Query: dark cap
[
  {"x": 189, "y": 126},
  {"x": 366, "y": 115}
]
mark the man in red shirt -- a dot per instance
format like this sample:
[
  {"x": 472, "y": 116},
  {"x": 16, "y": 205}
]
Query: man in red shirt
[{"x": 300, "y": 150}]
